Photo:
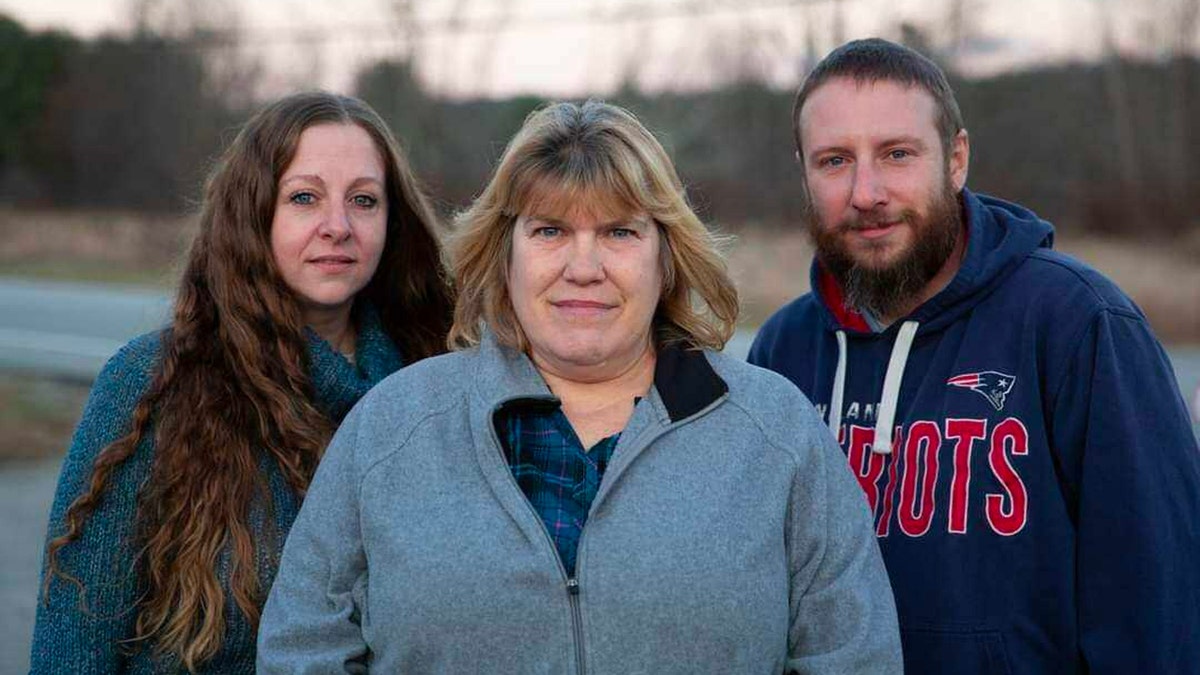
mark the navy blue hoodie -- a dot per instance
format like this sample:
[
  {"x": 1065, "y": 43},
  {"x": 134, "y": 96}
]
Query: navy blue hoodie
[{"x": 1039, "y": 507}]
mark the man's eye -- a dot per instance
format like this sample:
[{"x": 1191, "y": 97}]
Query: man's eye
[
  {"x": 833, "y": 162},
  {"x": 898, "y": 154},
  {"x": 302, "y": 198},
  {"x": 365, "y": 201}
]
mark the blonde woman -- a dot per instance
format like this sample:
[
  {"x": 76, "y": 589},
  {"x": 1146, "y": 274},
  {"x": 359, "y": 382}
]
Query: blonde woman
[{"x": 587, "y": 484}]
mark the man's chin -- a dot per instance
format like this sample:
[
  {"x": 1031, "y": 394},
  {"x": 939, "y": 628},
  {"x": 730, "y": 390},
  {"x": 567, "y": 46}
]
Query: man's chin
[{"x": 877, "y": 259}]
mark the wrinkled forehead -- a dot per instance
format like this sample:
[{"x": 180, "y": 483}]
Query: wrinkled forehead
[{"x": 855, "y": 106}]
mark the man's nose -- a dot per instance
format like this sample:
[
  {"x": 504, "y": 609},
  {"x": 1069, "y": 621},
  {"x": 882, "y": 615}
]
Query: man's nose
[{"x": 869, "y": 191}]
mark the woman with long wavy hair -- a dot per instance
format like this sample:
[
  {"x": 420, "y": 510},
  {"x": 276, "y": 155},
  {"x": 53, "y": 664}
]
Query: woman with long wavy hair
[{"x": 315, "y": 274}]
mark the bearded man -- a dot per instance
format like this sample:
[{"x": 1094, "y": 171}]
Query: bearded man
[{"x": 1015, "y": 425}]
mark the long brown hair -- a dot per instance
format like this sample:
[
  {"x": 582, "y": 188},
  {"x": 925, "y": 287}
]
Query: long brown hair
[
  {"x": 599, "y": 154},
  {"x": 233, "y": 384}
]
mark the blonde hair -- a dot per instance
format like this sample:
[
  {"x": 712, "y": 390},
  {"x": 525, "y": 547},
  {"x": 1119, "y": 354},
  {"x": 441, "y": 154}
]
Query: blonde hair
[{"x": 599, "y": 157}]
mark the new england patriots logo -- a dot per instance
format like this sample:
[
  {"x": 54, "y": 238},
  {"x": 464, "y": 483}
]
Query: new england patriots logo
[{"x": 989, "y": 384}]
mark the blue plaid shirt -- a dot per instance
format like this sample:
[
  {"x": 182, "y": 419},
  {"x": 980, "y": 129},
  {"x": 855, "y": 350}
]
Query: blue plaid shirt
[{"x": 558, "y": 477}]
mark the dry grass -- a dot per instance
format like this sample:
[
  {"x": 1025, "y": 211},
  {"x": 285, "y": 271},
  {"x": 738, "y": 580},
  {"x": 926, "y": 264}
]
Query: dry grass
[
  {"x": 771, "y": 266},
  {"x": 100, "y": 246},
  {"x": 37, "y": 415},
  {"x": 1163, "y": 280}
]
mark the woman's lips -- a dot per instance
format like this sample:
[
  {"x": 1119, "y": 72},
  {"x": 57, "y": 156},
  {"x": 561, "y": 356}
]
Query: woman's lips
[
  {"x": 581, "y": 308},
  {"x": 332, "y": 263}
]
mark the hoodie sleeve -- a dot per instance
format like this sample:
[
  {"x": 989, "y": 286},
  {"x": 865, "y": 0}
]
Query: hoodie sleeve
[
  {"x": 1132, "y": 470},
  {"x": 312, "y": 622},
  {"x": 843, "y": 616}
]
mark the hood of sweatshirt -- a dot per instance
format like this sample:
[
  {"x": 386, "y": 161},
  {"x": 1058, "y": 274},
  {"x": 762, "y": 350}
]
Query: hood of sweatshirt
[{"x": 1000, "y": 236}]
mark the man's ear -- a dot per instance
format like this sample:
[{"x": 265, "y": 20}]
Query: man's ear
[{"x": 960, "y": 158}]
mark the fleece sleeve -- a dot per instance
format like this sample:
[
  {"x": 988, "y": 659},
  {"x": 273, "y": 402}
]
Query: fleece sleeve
[
  {"x": 80, "y": 628},
  {"x": 312, "y": 622},
  {"x": 843, "y": 615},
  {"x": 1130, "y": 458}
]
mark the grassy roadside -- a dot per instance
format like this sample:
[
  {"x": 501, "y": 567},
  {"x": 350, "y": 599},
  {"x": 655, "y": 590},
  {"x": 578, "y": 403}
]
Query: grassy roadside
[
  {"x": 770, "y": 266},
  {"x": 93, "y": 246},
  {"x": 37, "y": 415}
]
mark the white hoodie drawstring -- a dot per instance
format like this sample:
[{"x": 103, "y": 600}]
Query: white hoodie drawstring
[
  {"x": 891, "y": 387},
  {"x": 839, "y": 387}
]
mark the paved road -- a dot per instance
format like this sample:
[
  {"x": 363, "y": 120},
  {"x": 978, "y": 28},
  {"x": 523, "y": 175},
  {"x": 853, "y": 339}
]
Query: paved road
[
  {"x": 25, "y": 494},
  {"x": 70, "y": 330}
]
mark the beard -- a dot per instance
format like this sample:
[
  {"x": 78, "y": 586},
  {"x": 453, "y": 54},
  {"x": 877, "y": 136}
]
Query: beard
[{"x": 885, "y": 290}]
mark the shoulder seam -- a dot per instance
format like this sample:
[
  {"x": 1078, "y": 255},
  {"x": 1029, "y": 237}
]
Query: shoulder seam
[
  {"x": 791, "y": 454},
  {"x": 1043, "y": 255},
  {"x": 1085, "y": 326},
  {"x": 412, "y": 429}
]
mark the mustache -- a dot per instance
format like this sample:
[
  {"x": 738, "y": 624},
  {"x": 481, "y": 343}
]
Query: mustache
[{"x": 873, "y": 219}]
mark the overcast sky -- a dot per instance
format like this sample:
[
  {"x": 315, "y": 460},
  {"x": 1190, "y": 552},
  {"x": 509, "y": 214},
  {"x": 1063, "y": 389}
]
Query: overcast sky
[{"x": 552, "y": 47}]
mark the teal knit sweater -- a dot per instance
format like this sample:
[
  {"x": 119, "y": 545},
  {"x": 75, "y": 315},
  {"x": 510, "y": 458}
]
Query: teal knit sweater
[{"x": 67, "y": 639}]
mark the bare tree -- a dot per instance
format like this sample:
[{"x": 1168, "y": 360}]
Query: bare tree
[
  {"x": 1124, "y": 132},
  {"x": 485, "y": 59},
  {"x": 1184, "y": 17},
  {"x": 839, "y": 22},
  {"x": 960, "y": 29}
]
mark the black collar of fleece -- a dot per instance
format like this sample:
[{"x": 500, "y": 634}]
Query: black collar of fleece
[{"x": 685, "y": 380}]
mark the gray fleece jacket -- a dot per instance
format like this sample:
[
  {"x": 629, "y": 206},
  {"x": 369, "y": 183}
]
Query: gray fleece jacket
[{"x": 727, "y": 536}]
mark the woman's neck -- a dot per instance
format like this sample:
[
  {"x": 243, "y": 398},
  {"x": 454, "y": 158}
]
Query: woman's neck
[
  {"x": 333, "y": 326},
  {"x": 597, "y": 410}
]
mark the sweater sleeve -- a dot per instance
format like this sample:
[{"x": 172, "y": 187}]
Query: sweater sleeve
[
  {"x": 1132, "y": 469},
  {"x": 80, "y": 630},
  {"x": 843, "y": 616},
  {"x": 312, "y": 622}
]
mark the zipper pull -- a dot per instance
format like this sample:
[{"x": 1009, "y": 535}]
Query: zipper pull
[{"x": 573, "y": 586}]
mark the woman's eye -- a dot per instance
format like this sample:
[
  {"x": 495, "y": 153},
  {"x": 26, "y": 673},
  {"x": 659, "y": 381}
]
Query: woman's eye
[
  {"x": 302, "y": 198},
  {"x": 546, "y": 232},
  {"x": 365, "y": 201},
  {"x": 622, "y": 233}
]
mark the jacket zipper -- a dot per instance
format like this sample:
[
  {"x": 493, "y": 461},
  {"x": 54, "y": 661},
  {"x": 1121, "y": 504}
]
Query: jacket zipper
[
  {"x": 572, "y": 582},
  {"x": 576, "y": 623}
]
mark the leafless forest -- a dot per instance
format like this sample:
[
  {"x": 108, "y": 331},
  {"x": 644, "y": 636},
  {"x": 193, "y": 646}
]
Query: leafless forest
[{"x": 1104, "y": 148}]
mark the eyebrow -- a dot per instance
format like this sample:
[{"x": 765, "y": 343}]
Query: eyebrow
[
  {"x": 902, "y": 139},
  {"x": 620, "y": 222},
  {"x": 314, "y": 178}
]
